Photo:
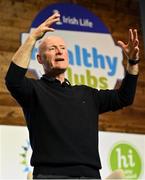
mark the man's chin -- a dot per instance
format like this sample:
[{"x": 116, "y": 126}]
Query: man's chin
[
  {"x": 60, "y": 70},
  {"x": 56, "y": 71}
]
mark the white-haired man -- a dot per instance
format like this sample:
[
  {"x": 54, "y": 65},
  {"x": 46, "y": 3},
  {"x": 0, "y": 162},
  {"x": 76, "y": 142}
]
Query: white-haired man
[{"x": 62, "y": 119}]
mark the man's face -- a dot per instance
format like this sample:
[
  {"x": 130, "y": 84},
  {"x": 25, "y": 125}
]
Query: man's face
[{"x": 53, "y": 55}]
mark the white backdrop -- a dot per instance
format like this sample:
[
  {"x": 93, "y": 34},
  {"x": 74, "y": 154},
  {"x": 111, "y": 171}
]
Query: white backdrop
[
  {"x": 89, "y": 56},
  {"x": 15, "y": 151}
]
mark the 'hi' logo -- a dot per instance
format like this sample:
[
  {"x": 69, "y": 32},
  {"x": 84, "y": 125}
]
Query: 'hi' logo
[
  {"x": 124, "y": 156},
  {"x": 125, "y": 160}
]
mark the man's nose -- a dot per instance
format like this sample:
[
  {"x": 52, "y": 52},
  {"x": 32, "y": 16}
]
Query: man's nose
[{"x": 58, "y": 50}]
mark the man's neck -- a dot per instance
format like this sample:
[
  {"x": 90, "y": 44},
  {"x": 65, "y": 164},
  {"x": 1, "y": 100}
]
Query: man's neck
[{"x": 60, "y": 77}]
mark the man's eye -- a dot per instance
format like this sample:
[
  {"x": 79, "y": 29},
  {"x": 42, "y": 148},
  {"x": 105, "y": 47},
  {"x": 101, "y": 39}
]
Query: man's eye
[
  {"x": 51, "y": 48},
  {"x": 62, "y": 47}
]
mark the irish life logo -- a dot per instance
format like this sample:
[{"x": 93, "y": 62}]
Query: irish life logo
[
  {"x": 94, "y": 58},
  {"x": 126, "y": 157}
]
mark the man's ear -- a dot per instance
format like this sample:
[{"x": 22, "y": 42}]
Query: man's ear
[{"x": 39, "y": 59}]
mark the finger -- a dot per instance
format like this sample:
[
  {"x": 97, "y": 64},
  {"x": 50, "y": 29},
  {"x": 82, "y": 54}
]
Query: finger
[
  {"x": 135, "y": 54},
  {"x": 135, "y": 34},
  {"x": 43, "y": 31},
  {"x": 50, "y": 22},
  {"x": 137, "y": 49},
  {"x": 136, "y": 42},
  {"x": 52, "y": 19},
  {"x": 46, "y": 29},
  {"x": 55, "y": 15},
  {"x": 121, "y": 44},
  {"x": 51, "y": 29},
  {"x": 130, "y": 36}
]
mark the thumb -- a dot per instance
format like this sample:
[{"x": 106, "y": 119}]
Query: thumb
[{"x": 121, "y": 44}]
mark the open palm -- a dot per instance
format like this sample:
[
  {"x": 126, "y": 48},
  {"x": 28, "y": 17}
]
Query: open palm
[{"x": 131, "y": 49}]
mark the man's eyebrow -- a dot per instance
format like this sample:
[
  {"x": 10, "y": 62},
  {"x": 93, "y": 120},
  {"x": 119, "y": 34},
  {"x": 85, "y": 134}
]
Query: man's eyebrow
[{"x": 53, "y": 45}]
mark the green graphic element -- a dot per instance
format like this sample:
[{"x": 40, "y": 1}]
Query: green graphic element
[
  {"x": 87, "y": 78},
  {"x": 124, "y": 156}
]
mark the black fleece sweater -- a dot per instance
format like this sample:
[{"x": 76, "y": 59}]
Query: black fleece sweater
[{"x": 63, "y": 120}]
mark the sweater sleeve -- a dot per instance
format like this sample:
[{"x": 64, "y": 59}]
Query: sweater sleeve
[
  {"x": 112, "y": 100},
  {"x": 18, "y": 85}
]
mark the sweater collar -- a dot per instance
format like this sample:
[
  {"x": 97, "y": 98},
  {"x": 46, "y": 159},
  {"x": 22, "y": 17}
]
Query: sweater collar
[{"x": 54, "y": 80}]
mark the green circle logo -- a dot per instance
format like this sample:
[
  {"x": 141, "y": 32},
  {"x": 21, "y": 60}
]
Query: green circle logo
[{"x": 124, "y": 156}]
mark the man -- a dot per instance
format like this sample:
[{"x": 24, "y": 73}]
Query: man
[{"x": 62, "y": 119}]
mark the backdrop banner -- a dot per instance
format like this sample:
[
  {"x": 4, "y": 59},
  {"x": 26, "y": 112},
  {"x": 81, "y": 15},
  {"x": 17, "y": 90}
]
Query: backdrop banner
[
  {"x": 94, "y": 58},
  {"x": 122, "y": 151},
  {"x": 117, "y": 151}
]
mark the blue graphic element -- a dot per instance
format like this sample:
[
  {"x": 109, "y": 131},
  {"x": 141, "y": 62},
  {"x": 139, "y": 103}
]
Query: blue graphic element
[
  {"x": 24, "y": 162},
  {"x": 86, "y": 56},
  {"x": 98, "y": 59},
  {"x": 26, "y": 169},
  {"x": 92, "y": 59},
  {"x": 112, "y": 63},
  {"x": 78, "y": 57},
  {"x": 73, "y": 18},
  {"x": 34, "y": 52},
  {"x": 89, "y": 59}
]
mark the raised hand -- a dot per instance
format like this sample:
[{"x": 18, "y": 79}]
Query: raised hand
[
  {"x": 45, "y": 26},
  {"x": 23, "y": 54},
  {"x": 131, "y": 49}
]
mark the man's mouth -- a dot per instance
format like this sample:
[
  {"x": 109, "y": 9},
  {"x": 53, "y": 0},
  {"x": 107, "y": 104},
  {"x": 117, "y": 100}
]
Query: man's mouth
[{"x": 59, "y": 59}]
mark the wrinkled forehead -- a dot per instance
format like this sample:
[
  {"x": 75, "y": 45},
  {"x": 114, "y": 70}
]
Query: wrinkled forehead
[{"x": 53, "y": 40}]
